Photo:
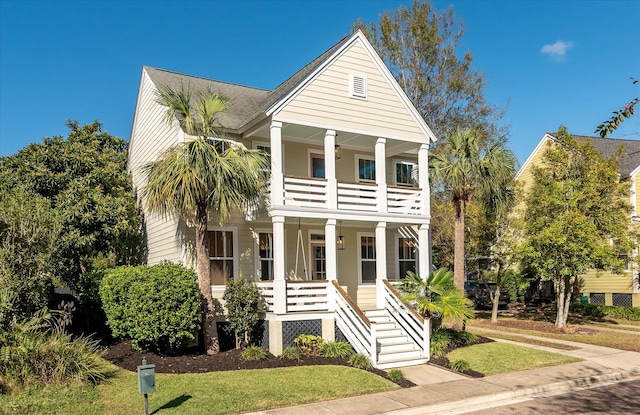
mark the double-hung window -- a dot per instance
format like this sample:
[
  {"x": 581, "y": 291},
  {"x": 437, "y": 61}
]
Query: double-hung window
[
  {"x": 366, "y": 169},
  {"x": 221, "y": 256},
  {"x": 368, "y": 259},
  {"x": 265, "y": 256},
  {"x": 407, "y": 255},
  {"x": 404, "y": 173}
]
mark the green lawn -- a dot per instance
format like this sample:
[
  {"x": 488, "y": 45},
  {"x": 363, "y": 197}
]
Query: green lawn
[
  {"x": 209, "y": 393},
  {"x": 493, "y": 358}
]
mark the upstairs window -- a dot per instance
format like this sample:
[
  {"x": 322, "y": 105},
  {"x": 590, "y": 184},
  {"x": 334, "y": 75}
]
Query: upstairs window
[
  {"x": 404, "y": 173},
  {"x": 358, "y": 86},
  {"x": 366, "y": 170}
]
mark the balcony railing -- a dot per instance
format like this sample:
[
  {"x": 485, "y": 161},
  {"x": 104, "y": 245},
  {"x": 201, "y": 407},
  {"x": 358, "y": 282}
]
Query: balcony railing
[{"x": 312, "y": 192}]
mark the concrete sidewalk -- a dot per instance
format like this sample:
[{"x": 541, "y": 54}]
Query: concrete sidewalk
[{"x": 440, "y": 391}]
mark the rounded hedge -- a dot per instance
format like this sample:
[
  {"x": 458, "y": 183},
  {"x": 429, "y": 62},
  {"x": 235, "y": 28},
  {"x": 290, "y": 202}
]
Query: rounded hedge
[{"x": 158, "y": 307}]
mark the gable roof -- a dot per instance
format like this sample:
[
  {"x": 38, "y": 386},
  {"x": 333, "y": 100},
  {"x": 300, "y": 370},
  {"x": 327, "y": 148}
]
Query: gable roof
[
  {"x": 250, "y": 103},
  {"x": 606, "y": 146}
]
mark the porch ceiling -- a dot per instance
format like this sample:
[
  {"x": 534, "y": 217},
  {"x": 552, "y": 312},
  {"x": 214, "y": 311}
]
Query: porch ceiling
[{"x": 347, "y": 140}]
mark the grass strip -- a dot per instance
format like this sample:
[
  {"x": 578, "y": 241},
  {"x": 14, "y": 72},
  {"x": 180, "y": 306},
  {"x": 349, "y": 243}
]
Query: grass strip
[
  {"x": 521, "y": 339},
  {"x": 496, "y": 357}
]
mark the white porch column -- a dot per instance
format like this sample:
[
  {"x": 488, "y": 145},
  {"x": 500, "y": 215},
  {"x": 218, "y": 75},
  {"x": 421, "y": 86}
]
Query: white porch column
[
  {"x": 330, "y": 169},
  {"x": 381, "y": 261},
  {"x": 423, "y": 178},
  {"x": 424, "y": 251},
  {"x": 279, "y": 282},
  {"x": 330, "y": 249},
  {"x": 381, "y": 174},
  {"x": 277, "y": 170}
]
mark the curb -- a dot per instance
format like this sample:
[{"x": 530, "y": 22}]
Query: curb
[{"x": 496, "y": 398}]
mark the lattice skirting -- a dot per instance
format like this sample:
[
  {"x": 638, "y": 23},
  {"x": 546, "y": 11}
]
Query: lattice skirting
[{"x": 292, "y": 329}]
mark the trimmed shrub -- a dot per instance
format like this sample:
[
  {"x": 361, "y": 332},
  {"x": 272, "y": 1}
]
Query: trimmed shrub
[
  {"x": 308, "y": 344},
  {"x": 36, "y": 351},
  {"x": 157, "y": 307},
  {"x": 395, "y": 375},
  {"x": 291, "y": 353},
  {"x": 241, "y": 301},
  {"x": 253, "y": 353},
  {"x": 599, "y": 311},
  {"x": 336, "y": 349},
  {"x": 360, "y": 361}
]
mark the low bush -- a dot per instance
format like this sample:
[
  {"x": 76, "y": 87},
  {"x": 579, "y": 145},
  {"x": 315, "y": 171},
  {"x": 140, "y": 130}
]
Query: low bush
[
  {"x": 253, "y": 353},
  {"x": 36, "y": 351},
  {"x": 336, "y": 349},
  {"x": 309, "y": 344},
  {"x": 360, "y": 361},
  {"x": 443, "y": 338},
  {"x": 291, "y": 353},
  {"x": 395, "y": 375},
  {"x": 599, "y": 311},
  {"x": 157, "y": 307}
]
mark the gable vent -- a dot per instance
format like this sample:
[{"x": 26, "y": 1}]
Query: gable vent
[{"x": 358, "y": 86}]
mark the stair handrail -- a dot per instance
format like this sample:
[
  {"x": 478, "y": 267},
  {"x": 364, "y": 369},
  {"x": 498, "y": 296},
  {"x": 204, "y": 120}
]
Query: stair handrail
[
  {"x": 407, "y": 317},
  {"x": 354, "y": 324}
]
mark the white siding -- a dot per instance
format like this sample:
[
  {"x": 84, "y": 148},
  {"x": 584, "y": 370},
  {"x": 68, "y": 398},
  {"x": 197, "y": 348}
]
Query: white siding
[
  {"x": 326, "y": 100},
  {"x": 150, "y": 136}
]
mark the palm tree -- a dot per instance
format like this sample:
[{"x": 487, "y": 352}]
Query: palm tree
[
  {"x": 464, "y": 165},
  {"x": 203, "y": 176},
  {"x": 437, "y": 297}
]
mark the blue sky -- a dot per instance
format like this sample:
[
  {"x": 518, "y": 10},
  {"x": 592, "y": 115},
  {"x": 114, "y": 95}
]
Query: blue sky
[{"x": 549, "y": 62}]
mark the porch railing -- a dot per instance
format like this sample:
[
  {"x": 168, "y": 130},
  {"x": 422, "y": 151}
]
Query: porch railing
[
  {"x": 306, "y": 296},
  {"x": 312, "y": 192},
  {"x": 412, "y": 323},
  {"x": 355, "y": 326}
]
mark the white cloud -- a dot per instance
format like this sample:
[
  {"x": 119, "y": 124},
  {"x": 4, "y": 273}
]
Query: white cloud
[{"x": 557, "y": 50}]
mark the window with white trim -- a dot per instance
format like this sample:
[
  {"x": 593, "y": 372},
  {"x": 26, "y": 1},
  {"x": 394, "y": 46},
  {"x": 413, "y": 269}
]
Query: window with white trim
[
  {"x": 264, "y": 147},
  {"x": 265, "y": 256},
  {"x": 366, "y": 169},
  {"x": 358, "y": 86},
  {"x": 367, "y": 259},
  {"x": 404, "y": 173},
  {"x": 407, "y": 256},
  {"x": 221, "y": 256}
]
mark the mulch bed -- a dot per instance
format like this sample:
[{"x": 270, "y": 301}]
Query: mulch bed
[
  {"x": 538, "y": 326},
  {"x": 122, "y": 354}
]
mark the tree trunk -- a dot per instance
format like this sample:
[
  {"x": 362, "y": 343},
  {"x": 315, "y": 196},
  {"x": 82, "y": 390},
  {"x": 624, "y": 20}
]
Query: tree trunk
[
  {"x": 209, "y": 327},
  {"x": 495, "y": 297},
  {"x": 458, "y": 253},
  {"x": 563, "y": 298}
]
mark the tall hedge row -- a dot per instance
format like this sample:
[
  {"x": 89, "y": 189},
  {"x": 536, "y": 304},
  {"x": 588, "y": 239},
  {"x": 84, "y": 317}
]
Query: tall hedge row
[{"x": 158, "y": 307}]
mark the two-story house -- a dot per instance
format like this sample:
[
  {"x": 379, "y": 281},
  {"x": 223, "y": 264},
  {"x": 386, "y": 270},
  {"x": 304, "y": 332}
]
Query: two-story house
[
  {"x": 605, "y": 288},
  {"x": 348, "y": 207}
]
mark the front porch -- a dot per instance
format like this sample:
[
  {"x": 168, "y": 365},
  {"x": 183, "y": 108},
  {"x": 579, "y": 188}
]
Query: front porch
[{"x": 392, "y": 335}]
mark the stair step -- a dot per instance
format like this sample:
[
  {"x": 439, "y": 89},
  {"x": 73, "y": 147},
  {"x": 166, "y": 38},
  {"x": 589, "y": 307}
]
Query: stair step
[
  {"x": 398, "y": 347},
  {"x": 394, "y": 363}
]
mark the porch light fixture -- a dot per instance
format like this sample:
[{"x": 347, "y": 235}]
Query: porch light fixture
[
  {"x": 338, "y": 151},
  {"x": 340, "y": 241}
]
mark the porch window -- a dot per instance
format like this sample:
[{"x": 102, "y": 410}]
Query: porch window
[
  {"x": 317, "y": 165},
  {"x": 318, "y": 257},
  {"x": 404, "y": 173},
  {"x": 368, "y": 259},
  {"x": 264, "y": 147},
  {"x": 407, "y": 248},
  {"x": 265, "y": 256},
  {"x": 221, "y": 256},
  {"x": 366, "y": 170}
]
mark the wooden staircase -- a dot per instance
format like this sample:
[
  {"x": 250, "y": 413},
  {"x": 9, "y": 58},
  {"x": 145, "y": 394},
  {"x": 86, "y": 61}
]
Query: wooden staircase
[{"x": 395, "y": 348}]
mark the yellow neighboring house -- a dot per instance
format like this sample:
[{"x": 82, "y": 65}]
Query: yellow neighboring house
[{"x": 606, "y": 288}]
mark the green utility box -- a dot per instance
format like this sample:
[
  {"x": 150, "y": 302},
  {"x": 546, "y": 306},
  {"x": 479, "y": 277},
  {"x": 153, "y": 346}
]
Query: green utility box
[{"x": 146, "y": 379}]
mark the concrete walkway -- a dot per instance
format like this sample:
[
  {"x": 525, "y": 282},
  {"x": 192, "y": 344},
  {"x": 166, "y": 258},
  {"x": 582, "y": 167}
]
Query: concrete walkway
[{"x": 440, "y": 391}]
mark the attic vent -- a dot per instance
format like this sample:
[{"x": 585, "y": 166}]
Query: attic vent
[{"x": 358, "y": 86}]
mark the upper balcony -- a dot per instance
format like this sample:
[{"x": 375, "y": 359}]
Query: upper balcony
[{"x": 311, "y": 192}]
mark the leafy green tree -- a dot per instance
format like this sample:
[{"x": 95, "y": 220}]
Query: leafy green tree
[
  {"x": 84, "y": 178},
  {"x": 577, "y": 216},
  {"x": 30, "y": 232},
  {"x": 437, "y": 297},
  {"x": 421, "y": 47},
  {"x": 205, "y": 175},
  {"x": 467, "y": 166}
]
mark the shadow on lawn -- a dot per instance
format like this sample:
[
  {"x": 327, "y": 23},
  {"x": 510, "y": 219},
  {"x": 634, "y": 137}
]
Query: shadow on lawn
[{"x": 174, "y": 403}]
